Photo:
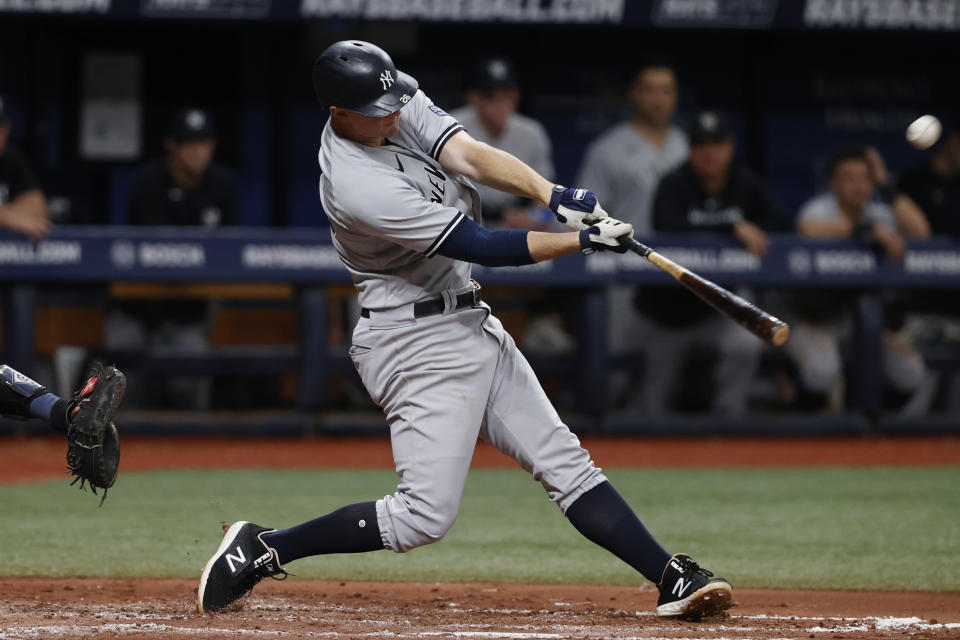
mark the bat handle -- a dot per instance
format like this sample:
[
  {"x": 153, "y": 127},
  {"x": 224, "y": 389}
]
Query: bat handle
[{"x": 627, "y": 241}]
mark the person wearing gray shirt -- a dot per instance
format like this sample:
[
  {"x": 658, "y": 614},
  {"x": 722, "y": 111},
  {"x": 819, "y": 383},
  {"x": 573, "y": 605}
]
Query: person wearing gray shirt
[
  {"x": 625, "y": 165},
  {"x": 626, "y": 162},
  {"x": 848, "y": 210},
  {"x": 490, "y": 116}
]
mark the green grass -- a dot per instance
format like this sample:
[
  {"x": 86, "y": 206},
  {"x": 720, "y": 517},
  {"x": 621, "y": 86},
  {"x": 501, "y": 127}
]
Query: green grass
[{"x": 893, "y": 528}]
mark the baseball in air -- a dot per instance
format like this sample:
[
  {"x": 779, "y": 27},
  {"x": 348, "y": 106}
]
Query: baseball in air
[{"x": 924, "y": 132}]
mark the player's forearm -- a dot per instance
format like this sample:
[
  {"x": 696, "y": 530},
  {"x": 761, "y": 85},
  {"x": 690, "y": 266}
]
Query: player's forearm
[
  {"x": 547, "y": 246},
  {"x": 30, "y": 203},
  {"x": 910, "y": 219},
  {"x": 839, "y": 228},
  {"x": 495, "y": 168}
]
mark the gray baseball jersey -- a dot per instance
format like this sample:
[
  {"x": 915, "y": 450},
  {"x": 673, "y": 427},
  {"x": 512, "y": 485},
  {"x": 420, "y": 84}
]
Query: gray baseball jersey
[
  {"x": 442, "y": 380},
  {"x": 623, "y": 168},
  {"x": 523, "y": 137},
  {"x": 391, "y": 206}
]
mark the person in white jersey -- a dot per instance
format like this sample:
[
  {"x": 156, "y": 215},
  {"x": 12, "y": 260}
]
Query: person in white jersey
[{"x": 395, "y": 182}]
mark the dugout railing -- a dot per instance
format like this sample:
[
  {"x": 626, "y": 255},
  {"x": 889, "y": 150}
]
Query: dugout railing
[{"x": 304, "y": 258}]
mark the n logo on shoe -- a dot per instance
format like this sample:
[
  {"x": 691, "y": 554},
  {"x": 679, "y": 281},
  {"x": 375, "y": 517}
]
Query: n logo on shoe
[
  {"x": 239, "y": 558},
  {"x": 680, "y": 587}
]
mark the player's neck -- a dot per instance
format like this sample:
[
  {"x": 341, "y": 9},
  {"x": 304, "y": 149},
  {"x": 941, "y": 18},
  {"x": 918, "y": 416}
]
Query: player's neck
[
  {"x": 655, "y": 133},
  {"x": 183, "y": 177},
  {"x": 345, "y": 131}
]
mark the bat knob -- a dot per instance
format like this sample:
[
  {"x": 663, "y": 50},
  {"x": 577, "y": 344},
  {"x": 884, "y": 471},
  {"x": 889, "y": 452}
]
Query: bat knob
[{"x": 780, "y": 335}]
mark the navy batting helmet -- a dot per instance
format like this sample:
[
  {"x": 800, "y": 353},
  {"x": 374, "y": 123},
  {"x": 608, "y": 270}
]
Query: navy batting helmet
[{"x": 359, "y": 76}]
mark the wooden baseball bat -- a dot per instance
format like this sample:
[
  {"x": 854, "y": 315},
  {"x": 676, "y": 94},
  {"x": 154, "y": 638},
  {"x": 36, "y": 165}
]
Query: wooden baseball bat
[{"x": 768, "y": 328}]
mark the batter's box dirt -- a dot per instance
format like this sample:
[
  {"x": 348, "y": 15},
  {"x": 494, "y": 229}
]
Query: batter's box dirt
[{"x": 66, "y": 608}]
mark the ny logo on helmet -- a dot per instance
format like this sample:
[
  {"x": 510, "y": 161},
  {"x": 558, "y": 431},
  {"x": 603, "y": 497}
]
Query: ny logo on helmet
[{"x": 386, "y": 79}]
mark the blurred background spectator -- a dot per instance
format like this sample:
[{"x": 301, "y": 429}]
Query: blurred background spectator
[
  {"x": 490, "y": 115},
  {"x": 23, "y": 207},
  {"x": 185, "y": 189},
  {"x": 706, "y": 194},
  {"x": 935, "y": 185},
  {"x": 623, "y": 167},
  {"x": 848, "y": 209}
]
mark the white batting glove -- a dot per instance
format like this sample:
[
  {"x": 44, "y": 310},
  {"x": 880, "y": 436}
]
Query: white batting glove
[
  {"x": 605, "y": 235},
  {"x": 572, "y": 205}
]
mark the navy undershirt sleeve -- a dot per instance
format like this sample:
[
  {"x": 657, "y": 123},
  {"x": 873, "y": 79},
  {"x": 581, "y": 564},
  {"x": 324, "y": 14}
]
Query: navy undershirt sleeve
[{"x": 470, "y": 242}]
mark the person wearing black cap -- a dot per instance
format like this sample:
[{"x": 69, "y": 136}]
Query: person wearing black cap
[
  {"x": 935, "y": 186},
  {"x": 707, "y": 193},
  {"x": 23, "y": 207},
  {"x": 186, "y": 188},
  {"x": 490, "y": 115}
]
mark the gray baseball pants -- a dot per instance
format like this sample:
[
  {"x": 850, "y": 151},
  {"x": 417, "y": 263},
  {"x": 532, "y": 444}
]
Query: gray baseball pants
[{"x": 443, "y": 381}]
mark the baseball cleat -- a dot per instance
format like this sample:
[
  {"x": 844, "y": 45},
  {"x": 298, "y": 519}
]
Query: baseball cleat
[
  {"x": 241, "y": 561},
  {"x": 689, "y": 592}
]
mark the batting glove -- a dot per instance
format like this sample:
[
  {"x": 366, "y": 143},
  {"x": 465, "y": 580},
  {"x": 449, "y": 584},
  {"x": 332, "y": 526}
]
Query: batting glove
[
  {"x": 605, "y": 235},
  {"x": 572, "y": 205}
]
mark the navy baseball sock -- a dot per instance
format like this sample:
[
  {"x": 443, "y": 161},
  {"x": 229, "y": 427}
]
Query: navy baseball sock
[
  {"x": 605, "y": 518},
  {"x": 51, "y": 408},
  {"x": 351, "y": 529}
]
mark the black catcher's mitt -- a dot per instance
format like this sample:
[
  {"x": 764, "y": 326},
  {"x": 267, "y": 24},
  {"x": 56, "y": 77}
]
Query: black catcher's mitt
[{"x": 93, "y": 444}]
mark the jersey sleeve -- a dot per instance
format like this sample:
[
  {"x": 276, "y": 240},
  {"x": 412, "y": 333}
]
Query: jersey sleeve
[
  {"x": 427, "y": 126},
  {"x": 816, "y": 209},
  {"x": 399, "y": 213}
]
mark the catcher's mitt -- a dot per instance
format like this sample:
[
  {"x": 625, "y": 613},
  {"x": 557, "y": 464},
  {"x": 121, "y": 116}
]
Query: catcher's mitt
[{"x": 93, "y": 444}]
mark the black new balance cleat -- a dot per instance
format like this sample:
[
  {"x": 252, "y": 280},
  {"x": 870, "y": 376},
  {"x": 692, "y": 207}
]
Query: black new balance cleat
[
  {"x": 689, "y": 592},
  {"x": 241, "y": 561}
]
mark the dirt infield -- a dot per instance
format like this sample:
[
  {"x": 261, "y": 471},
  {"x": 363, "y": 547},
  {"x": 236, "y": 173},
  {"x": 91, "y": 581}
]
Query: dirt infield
[
  {"x": 165, "y": 609},
  {"x": 24, "y": 459}
]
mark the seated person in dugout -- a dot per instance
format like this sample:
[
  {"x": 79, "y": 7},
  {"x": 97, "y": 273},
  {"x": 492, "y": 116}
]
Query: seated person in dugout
[
  {"x": 187, "y": 189},
  {"x": 707, "y": 193},
  {"x": 23, "y": 207},
  {"x": 861, "y": 203},
  {"x": 490, "y": 115}
]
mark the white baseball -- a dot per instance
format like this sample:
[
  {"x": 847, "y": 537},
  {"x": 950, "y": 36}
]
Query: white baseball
[{"x": 924, "y": 132}]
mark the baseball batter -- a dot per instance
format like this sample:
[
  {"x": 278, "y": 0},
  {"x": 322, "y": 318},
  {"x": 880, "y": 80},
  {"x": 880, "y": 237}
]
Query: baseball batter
[{"x": 396, "y": 184}]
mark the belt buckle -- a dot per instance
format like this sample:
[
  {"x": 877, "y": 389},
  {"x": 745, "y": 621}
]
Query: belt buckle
[{"x": 476, "y": 292}]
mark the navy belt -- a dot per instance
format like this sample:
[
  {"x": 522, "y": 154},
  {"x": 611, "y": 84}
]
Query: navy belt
[{"x": 435, "y": 306}]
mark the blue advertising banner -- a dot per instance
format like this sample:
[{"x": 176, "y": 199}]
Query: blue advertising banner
[
  {"x": 925, "y": 15},
  {"x": 306, "y": 256}
]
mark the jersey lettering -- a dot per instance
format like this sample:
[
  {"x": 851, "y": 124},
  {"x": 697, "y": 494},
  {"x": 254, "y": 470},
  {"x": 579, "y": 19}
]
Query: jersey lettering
[{"x": 439, "y": 188}]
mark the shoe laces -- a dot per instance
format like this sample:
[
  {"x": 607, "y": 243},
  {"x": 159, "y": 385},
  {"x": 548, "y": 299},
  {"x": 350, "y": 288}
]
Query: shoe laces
[{"x": 693, "y": 567}]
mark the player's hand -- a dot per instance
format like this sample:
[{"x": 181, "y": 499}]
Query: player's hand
[
  {"x": 605, "y": 236},
  {"x": 754, "y": 239},
  {"x": 571, "y": 205},
  {"x": 876, "y": 166},
  {"x": 33, "y": 226},
  {"x": 891, "y": 241}
]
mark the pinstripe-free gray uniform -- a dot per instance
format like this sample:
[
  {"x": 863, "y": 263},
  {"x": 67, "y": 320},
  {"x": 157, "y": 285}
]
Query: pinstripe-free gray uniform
[{"x": 442, "y": 380}]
